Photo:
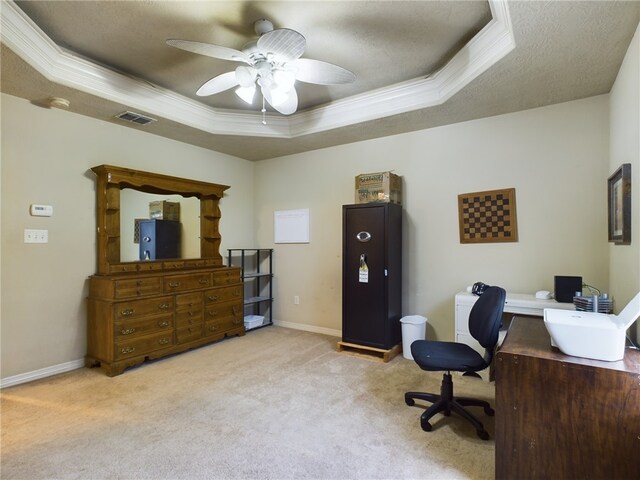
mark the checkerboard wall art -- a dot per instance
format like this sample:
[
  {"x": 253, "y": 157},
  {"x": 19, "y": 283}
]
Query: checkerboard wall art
[{"x": 487, "y": 217}]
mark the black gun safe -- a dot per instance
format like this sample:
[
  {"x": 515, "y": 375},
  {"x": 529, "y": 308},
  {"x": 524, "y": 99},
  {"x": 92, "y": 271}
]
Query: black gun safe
[
  {"x": 372, "y": 274},
  {"x": 159, "y": 239}
]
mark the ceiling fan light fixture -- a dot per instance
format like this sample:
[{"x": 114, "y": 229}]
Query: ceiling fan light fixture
[
  {"x": 246, "y": 93},
  {"x": 277, "y": 96},
  {"x": 285, "y": 79},
  {"x": 246, "y": 76}
]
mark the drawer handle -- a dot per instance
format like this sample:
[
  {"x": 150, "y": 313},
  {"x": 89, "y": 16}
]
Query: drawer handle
[
  {"x": 128, "y": 350},
  {"x": 213, "y": 298},
  {"x": 164, "y": 306},
  {"x": 174, "y": 284},
  {"x": 213, "y": 328},
  {"x": 163, "y": 341},
  {"x": 164, "y": 323},
  {"x": 203, "y": 281},
  {"x": 128, "y": 312},
  {"x": 213, "y": 313},
  {"x": 127, "y": 331},
  {"x": 237, "y": 321}
]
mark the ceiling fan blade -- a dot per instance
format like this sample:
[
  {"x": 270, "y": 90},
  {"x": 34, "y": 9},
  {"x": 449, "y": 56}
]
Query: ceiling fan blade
[
  {"x": 289, "y": 106},
  {"x": 285, "y": 43},
  {"x": 210, "y": 50},
  {"x": 321, "y": 73},
  {"x": 218, "y": 84}
]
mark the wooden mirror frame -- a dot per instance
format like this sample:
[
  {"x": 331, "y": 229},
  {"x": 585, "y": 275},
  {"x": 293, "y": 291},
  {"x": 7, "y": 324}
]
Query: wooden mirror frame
[{"x": 111, "y": 180}]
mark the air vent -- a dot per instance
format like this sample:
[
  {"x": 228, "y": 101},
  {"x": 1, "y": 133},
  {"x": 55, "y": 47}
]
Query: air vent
[{"x": 135, "y": 118}]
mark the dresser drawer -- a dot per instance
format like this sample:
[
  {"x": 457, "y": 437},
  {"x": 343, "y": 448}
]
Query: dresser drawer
[
  {"x": 140, "y": 308},
  {"x": 223, "y": 294},
  {"x": 226, "y": 309},
  {"x": 226, "y": 276},
  {"x": 143, "y": 345},
  {"x": 181, "y": 283},
  {"x": 130, "y": 328},
  {"x": 187, "y": 334},
  {"x": 189, "y": 300},
  {"x": 189, "y": 318},
  {"x": 138, "y": 287},
  {"x": 223, "y": 324}
]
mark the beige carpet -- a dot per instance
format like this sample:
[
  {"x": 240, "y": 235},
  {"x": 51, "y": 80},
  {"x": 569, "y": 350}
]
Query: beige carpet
[{"x": 274, "y": 404}]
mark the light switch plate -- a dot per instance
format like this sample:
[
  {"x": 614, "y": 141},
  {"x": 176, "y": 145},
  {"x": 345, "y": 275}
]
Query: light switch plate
[{"x": 36, "y": 236}]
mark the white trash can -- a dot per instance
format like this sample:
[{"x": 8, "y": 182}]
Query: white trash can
[{"x": 414, "y": 327}]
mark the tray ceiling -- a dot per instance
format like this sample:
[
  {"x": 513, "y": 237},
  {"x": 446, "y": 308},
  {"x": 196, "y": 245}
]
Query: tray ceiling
[{"x": 419, "y": 64}]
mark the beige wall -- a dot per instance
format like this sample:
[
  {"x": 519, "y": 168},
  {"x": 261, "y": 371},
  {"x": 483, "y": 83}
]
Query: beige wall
[
  {"x": 624, "y": 260},
  {"x": 555, "y": 157},
  {"x": 46, "y": 155}
]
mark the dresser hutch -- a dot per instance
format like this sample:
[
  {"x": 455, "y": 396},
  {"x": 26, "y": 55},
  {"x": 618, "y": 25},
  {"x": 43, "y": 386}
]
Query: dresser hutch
[{"x": 148, "y": 309}]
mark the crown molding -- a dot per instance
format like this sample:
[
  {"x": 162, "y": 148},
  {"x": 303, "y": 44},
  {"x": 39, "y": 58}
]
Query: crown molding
[{"x": 61, "y": 66}]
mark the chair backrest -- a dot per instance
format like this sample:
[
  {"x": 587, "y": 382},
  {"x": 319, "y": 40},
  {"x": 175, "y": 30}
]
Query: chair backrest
[{"x": 485, "y": 317}]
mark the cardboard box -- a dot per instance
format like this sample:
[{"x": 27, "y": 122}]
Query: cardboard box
[
  {"x": 379, "y": 187},
  {"x": 163, "y": 210}
]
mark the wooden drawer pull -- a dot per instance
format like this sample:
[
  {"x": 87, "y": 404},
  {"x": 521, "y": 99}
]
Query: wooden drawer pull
[
  {"x": 128, "y": 350},
  {"x": 237, "y": 321},
  {"x": 127, "y": 313},
  {"x": 203, "y": 281},
  {"x": 213, "y": 313},
  {"x": 213, "y": 328},
  {"x": 164, "y": 323},
  {"x": 174, "y": 284},
  {"x": 213, "y": 298},
  {"x": 164, "y": 306},
  {"x": 163, "y": 341},
  {"x": 127, "y": 331}
]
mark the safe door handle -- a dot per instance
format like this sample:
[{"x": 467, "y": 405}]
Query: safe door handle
[{"x": 363, "y": 236}]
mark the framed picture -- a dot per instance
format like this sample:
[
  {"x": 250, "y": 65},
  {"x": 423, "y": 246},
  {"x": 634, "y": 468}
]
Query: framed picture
[
  {"x": 619, "y": 199},
  {"x": 486, "y": 217}
]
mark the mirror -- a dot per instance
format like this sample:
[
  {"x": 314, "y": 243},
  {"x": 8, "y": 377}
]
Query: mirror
[
  {"x": 134, "y": 205},
  {"x": 123, "y": 194}
]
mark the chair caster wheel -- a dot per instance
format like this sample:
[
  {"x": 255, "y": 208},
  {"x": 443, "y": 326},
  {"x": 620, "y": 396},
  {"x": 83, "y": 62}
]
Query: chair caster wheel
[
  {"x": 483, "y": 434},
  {"x": 489, "y": 411},
  {"x": 426, "y": 426}
]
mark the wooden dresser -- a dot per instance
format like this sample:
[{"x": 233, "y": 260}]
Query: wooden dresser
[
  {"x": 141, "y": 310},
  {"x": 143, "y": 316}
]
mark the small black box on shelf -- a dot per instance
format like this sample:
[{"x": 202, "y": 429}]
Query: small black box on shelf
[{"x": 566, "y": 287}]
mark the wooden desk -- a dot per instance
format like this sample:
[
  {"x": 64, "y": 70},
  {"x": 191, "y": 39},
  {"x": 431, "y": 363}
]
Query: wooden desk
[{"x": 564, "y": 417}]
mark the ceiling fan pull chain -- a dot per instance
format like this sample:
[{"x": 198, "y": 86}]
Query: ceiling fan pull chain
[{"x": 264, "y": 112}]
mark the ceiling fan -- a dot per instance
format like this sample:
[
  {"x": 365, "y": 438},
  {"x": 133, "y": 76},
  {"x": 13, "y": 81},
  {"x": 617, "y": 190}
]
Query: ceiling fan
[{"x": 273, "y": 63}]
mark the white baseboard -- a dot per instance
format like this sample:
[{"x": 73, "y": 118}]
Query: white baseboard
[
  {"x": 309, "y": 328},
  {"x": 41, "y": 373}
]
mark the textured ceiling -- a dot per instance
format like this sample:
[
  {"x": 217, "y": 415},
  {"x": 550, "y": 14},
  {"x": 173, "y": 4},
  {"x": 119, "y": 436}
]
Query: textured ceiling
[{"x": 564, "y": 51}]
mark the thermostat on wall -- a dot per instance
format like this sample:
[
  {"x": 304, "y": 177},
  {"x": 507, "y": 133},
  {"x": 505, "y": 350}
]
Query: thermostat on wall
[{"x": 41, "y": 210}]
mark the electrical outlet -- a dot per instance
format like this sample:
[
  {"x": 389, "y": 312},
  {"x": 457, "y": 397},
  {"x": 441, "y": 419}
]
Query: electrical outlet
[
  {"x": 296, "y": 300},
  {"x": 36, "y": 236}
]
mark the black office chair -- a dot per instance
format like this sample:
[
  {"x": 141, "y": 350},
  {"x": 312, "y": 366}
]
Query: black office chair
[{"x": 484, "y": 323}]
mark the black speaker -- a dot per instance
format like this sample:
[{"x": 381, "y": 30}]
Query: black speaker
[{"x": 566, "y": 287}]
